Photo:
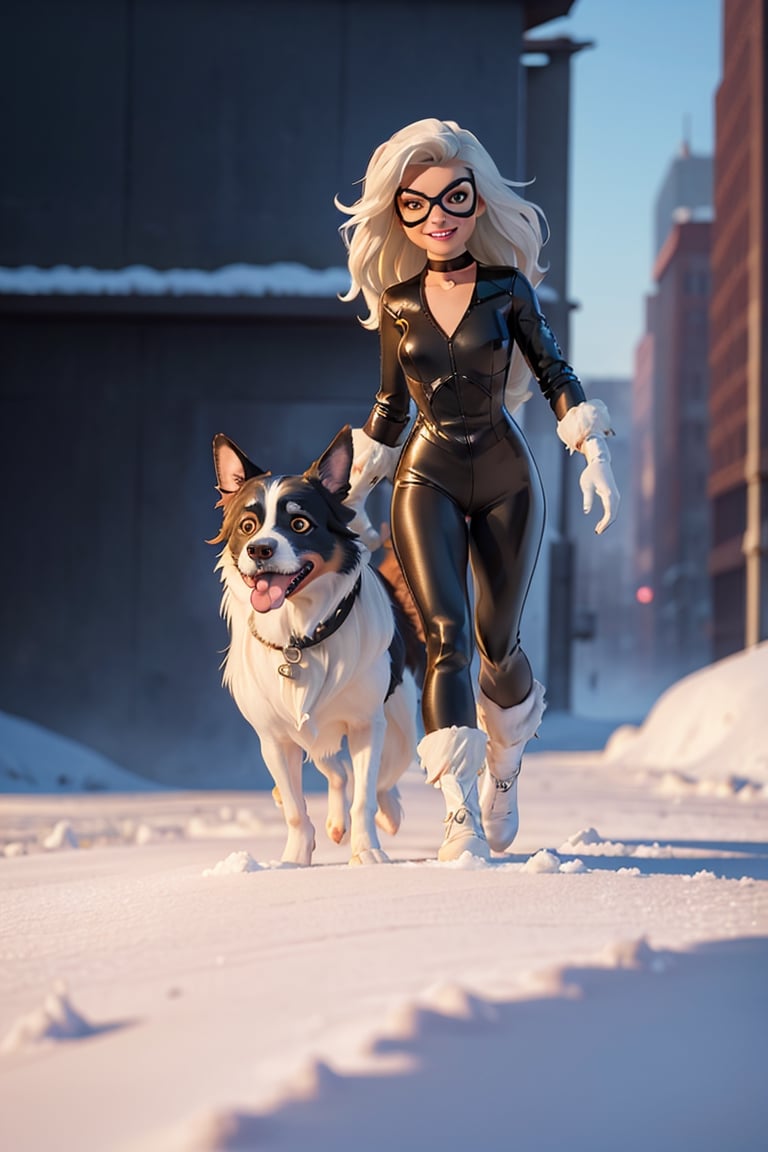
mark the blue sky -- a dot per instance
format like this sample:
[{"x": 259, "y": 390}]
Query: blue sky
[{"x": 656, "y": 65}]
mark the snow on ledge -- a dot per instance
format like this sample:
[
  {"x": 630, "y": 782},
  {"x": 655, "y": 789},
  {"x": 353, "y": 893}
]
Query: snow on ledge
[{"x": 283, "y": 279}]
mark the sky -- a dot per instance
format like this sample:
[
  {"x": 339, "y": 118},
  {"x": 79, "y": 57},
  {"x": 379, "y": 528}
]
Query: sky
[{"x": 653, "y": 70}]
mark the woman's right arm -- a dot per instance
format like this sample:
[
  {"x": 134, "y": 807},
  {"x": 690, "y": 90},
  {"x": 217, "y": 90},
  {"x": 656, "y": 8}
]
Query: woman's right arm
[
  {"x": 391, "y": 411},
  {"x": 375, "y": 445}
]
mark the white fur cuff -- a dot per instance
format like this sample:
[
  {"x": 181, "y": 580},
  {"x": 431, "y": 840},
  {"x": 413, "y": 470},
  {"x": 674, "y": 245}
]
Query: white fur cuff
[
  {"x": 587, "y": 419},
  {"x": 371, "y": 462}
]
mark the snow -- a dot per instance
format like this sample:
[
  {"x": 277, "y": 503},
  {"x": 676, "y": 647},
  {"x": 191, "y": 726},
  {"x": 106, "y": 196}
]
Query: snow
[
  {"x": 234, "y": 863},
  {"x": 56, "y": 1019},
  {"x": 705, "y": 729},
  {"x": 167, "y": 986},
  {"x": 280, "y": 279},
  {"x": 34, "y": 760}
]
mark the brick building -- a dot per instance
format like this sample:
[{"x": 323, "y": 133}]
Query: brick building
[{"x": 738, "y": 440}]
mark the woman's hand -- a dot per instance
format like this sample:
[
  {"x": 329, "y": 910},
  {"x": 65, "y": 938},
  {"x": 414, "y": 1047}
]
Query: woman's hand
[
  {"x": 598, "y": 478},
  {"x": 583, "y": 429}
]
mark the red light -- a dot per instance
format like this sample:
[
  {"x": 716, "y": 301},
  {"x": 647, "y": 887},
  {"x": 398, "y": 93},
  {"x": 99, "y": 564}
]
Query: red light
[{"x": 644, "y": 594}]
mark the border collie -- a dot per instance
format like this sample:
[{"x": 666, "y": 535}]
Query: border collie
[{"x": 316, "y": 659}]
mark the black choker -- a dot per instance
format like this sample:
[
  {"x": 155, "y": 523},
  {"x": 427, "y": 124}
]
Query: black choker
[{"x": 454, "y": 265}]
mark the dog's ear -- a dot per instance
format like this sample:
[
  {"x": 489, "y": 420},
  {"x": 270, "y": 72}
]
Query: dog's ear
[
  {"x": 232, "y": 466},
  {"x": 334, "y": 466}
]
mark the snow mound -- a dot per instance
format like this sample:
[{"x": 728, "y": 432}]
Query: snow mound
[
  {"x": 33, "y": 759},
  {"x": 711, "y": 725},
  {"x": 545, "y": 860},
  {"x": 635, "y": 954},
  {"x": 219, "y": 1130},
  {"x": 542, "y": 861},
  {"x": 465, "y": 863},
  {"x": 62, "y": 836},
  {"x": 438, "y": 1008},
  {"x": 582, "y": 839},
  {"x": 56, "y": 1019},
  {"x": 451, "y": 999},
  {"x": 591, "y": 843},
  {"x": 232, "y": 864}
]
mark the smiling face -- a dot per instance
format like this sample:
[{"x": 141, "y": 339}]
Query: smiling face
[
  {"x": 283, "y": 533},
  {"x": 438, "y": 206}
]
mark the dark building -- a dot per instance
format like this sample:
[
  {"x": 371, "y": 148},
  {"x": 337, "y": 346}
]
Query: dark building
[
  {"x": 738, "y": 439},
  {"x": 143, "y": 137}
]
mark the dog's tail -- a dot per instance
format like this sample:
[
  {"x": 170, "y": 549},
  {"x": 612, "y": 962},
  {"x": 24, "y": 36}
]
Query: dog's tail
[{"x": 406, "y": 613}]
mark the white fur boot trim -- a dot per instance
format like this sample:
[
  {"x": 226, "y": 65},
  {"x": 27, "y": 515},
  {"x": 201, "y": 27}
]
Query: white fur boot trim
[
  {"x": 587, "y": 419},
  {"x": 509, "y": 730},
  {"x": 453, "y": 758}
]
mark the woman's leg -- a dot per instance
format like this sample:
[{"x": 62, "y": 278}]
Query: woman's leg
[
  {"x": 429, "y": 534},
  {"x": 505, "y": 538}
]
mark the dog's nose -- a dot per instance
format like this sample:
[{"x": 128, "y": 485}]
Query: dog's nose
[{"x": 262, "y": 549}]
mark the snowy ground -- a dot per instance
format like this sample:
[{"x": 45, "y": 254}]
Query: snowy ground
[{"x": 602, "y": 987}]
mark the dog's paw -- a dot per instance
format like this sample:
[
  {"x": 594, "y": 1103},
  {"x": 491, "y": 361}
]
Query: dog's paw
[
  {"x": 370, "y": 856},
  {"x": 390, "y": 811},
  {"x": 336, "y": 832},
  {"x": 298, "y": 850}
]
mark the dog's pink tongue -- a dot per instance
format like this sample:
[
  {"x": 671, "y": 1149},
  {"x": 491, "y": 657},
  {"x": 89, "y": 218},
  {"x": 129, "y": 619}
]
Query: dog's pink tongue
[{"x": 266, "y": 596}]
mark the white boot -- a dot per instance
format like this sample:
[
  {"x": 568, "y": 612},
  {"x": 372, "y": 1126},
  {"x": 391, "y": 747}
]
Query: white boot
[
  {"x": 509, "y": 729},
  {"x": 453, "y": 758}
]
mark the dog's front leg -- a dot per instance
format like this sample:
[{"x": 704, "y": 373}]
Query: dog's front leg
[
  {"x": 335, "y": 770},
  {"x": 365, "y": 748},
  {"x": 284, "y": 762}
]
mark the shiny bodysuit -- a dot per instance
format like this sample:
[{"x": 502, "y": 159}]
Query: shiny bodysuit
[{"x": 466, "y": 490}]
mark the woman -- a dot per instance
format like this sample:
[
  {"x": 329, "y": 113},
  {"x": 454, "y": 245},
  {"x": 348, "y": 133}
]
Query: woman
[{"x": 444, "y": 251}]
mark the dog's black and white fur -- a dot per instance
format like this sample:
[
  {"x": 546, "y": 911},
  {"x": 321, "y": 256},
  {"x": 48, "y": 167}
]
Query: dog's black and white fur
[{"x": 314, "y": 655}]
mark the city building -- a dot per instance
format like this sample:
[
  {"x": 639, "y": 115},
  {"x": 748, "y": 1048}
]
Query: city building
[
  {"x": 670, "y": 416},
  {"x": 738, "y": 434}
]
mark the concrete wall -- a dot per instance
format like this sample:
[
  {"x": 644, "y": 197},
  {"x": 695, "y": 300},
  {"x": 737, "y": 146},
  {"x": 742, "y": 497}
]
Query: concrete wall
[
  {"x": 109, "y": 608},
  {"x": 204, "y": 132}
]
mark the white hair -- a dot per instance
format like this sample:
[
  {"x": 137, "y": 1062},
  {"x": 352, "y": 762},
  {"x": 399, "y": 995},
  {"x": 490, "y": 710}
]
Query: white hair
[{"x": 508, "y": 233}]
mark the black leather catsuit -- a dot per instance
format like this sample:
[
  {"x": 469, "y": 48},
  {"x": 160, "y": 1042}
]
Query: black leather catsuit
[{"x": 466, "y": 488}]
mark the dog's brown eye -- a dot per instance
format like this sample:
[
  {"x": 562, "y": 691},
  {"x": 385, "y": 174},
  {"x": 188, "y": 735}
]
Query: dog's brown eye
[
  {"x": 300, "y": 524},
  {"x": 248, "y": 526}
]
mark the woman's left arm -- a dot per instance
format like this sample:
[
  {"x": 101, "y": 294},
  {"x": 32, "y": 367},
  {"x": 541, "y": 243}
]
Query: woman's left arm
[{"x": 583, "y": 425}]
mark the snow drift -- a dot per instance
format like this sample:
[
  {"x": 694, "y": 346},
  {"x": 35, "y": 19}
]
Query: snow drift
[{"x": 711, "y": 725}]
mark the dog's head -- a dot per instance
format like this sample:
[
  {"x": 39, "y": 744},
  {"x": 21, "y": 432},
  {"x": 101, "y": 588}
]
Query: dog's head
[{"x": 283, "y": 532}]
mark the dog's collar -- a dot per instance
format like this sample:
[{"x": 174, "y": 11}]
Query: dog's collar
[{"x": 296, "y": 645}]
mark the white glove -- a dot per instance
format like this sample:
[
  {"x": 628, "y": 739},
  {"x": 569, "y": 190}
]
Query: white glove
[
  {"x": 583, "y": 429},
  {"x": 597, "y": 477},
  {"x": 371, "y": 462}
]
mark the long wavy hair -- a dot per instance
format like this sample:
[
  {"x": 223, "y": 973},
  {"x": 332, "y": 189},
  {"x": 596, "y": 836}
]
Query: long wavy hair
[{"x": 508, "y": 233}]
